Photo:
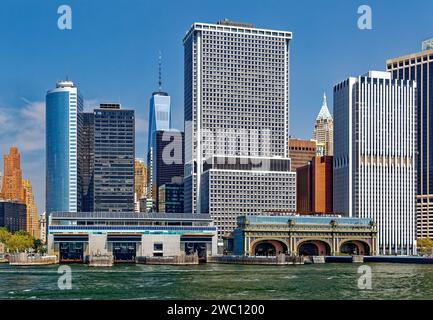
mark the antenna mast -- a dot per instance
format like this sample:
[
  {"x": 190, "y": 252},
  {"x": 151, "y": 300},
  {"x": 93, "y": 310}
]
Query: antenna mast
[{"x": 160, "y": 71}]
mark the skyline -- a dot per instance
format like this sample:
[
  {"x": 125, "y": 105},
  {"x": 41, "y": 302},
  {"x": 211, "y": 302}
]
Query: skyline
[{"x": 116, "y": 60}]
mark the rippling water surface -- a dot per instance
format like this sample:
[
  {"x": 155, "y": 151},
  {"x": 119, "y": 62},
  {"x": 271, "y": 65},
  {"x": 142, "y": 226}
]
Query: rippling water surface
[{"x": 215, "y": 281}]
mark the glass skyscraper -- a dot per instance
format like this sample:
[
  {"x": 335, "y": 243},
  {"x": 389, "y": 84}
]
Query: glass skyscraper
[
  {"x": 166, "y": 159},
  {"x": 86, "y": 159},
  {"x": 159, "y": 119},
  {"x": 159, "y": 113},
  {"x": 63, "y": 104}
]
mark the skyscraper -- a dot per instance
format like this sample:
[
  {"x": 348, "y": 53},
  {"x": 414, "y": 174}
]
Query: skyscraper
[
  {"x": 32, "y": 218},
  {"x": 140, "y": 184},
  {"x": 12, "y": 186},
  {"x": 324, "y": 129},
  {"x": 167, "y": 160},
  {"x": 114, "y": 156},
  {"x": 162, "y": 167},
  {"x": 159, "y": 119},
  {"x": 419, "y": 67},
  {"x": 374, "y": 156},
  {"x": 62, "y": 126},
  {"x": 236, "y": 84},
  {"x": 19, "y": 190},
  {"x": 160, "y": 110},
  {"x": 86, "y": 159}
]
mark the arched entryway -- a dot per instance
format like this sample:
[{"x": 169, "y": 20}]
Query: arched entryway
[
  {"x": 314, "y": 248},
  {"x": 355, "y": 247},
  {"x": 266, "y": 248}
]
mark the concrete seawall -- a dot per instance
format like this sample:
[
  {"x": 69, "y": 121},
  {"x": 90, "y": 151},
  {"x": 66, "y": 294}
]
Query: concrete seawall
[
  {"x": 175, "y": 260},
  {"x": 279, "y": 260},
  {"x": 25, "y": 259},
  {"x": 389, "y": 259},
  {"x": 378, "y": 259}
]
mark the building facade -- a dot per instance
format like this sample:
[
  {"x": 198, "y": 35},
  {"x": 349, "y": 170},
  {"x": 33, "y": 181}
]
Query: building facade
[
  {"x": 233, "y": 187},
  {"x": 419, "y": 67},
  {"x": 86, "y": 159},
  {"x": 13, "y": 215},
  {"x": 140, "y": 183},
  {"x": 304, "y": 236},
  {"x": 43, "y": 227},
  {"x": 301, "y": 152},
  {"x": 324, "y": 129},
  {"x": 374, "y": 156},
  {"x": 314, "y": 187},
  {"x": 73, "y": 237},
  {"x": 114, "y": 156},
  {"x": 12, "y": 187},
  {"x": 159, "y": 119},
  {"x": 171, "y": 197},
  {"x": 167, "y": 161},
  {"x": 32, "y": 218},
  {"x": 19, "y": 190},
  {"x": 62, "y": 126},
  {"x": 236, "y": 84}
]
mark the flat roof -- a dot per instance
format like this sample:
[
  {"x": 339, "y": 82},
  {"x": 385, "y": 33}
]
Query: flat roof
[
  {"x": 237, "y": 29},
  {"x": 308, "y": 220},
  {"x": 410, "y": 56},
  {"x": 129, "y": 216}
]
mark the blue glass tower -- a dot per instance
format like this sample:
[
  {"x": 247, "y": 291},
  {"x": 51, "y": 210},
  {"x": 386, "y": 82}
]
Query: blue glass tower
[
  {"x": 159, "y": 119},
  {"x": 63, "y": 105}
]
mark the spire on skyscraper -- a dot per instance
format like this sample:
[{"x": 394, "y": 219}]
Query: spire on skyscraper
[
  {"x": 160, "y": 72},
  {"x": 324, "y": 129},
  {"x": 324, "y": 111}
]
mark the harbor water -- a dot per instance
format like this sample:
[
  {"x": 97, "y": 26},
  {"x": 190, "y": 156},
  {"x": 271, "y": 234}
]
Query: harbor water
[{"x": 217, "y": 281}]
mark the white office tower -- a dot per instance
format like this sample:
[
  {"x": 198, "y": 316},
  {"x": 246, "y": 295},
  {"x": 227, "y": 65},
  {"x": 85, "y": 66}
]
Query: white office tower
[
  {"x": 324, "y": 129},
  {"x": 237, "y": 122},
  {"x": 374, "y": 156}
]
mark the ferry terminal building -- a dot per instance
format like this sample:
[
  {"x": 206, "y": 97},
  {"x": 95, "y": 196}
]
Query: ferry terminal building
[{"x": 74, "y": 236}]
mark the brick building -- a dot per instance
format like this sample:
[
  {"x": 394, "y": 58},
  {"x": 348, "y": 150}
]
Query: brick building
[{"x": 314, "y": 186}]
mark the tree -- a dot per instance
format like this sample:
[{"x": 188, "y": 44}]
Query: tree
[
  {"x": 4, "y": 235},
  {"x": 38, "y": 246},
  {"x": 425, "y": 246},
  {"x": 19, "y": 242}
]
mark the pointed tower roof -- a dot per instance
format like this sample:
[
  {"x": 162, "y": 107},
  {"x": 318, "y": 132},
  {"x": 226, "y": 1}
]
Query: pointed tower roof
[{"x": 324, "y": 111}]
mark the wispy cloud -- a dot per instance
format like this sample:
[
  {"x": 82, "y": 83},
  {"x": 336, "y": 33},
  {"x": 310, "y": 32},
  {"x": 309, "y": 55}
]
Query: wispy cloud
[
  {"x": 23, "y": 127},
  {"x": 91, "y": 104}
]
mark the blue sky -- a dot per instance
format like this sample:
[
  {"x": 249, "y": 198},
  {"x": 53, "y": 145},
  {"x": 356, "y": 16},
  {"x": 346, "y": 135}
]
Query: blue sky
[{"x": 111, "y": 54}]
